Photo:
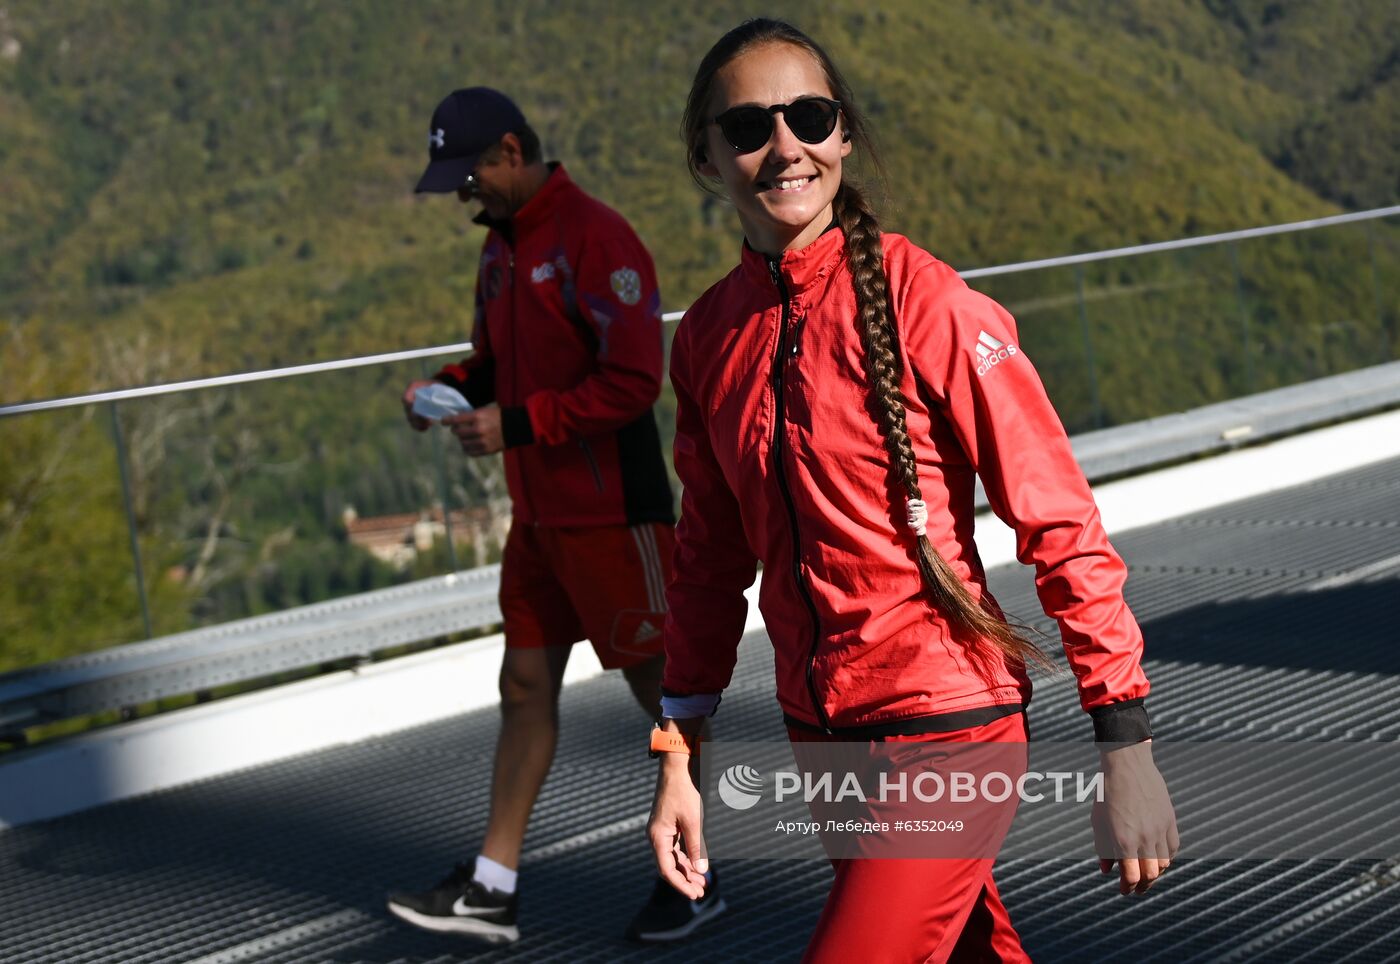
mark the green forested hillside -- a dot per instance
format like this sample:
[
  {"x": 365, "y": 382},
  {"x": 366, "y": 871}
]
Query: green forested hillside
[
  {"x": 243, "y": 171},
  {"x": 191, "y": 188}
]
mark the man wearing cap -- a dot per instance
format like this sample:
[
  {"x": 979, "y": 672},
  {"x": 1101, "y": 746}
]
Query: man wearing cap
[{"x": 567, "y": 363}]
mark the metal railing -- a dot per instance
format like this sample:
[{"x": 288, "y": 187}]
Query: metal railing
[
  {"x": 238, "y": 378},
  {"x": 219, "y": 381},
  {"x": 1181, "y": 244},
  {"x": 1119, "y": 336}
]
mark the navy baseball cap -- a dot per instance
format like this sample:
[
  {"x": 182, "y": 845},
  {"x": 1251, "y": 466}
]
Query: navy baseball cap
[{"x": 465, "y": 124}]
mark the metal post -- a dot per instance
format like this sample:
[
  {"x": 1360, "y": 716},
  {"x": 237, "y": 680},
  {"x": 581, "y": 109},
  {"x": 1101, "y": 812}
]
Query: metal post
[
  {"x": 1244, "y": 317},
  {"x": 1088, "y": 347},
  {"x": 446, "y": 489},
  {"x": 130, "y": 518},
  {"x": 1376, "y": 289}
]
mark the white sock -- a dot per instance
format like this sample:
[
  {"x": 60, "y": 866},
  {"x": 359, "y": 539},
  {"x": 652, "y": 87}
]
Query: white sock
[{"x": 494, "y": 876}]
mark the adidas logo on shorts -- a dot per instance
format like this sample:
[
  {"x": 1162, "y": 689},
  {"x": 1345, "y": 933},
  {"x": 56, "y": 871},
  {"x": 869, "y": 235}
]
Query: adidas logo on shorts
[{"x": 646, "y": 632}]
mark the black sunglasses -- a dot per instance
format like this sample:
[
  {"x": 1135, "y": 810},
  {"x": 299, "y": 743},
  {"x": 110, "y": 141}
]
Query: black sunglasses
[{"x": 811, "y": 120}]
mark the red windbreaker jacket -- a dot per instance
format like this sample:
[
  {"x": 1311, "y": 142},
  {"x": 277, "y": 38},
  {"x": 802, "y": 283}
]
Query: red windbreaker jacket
[
  {"x": 779, "y": 451},
  {"x": 567, "y": 339}
]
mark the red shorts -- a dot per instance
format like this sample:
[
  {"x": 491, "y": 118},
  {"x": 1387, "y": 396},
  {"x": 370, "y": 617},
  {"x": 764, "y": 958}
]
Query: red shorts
[{"x": 606, "y": 583}]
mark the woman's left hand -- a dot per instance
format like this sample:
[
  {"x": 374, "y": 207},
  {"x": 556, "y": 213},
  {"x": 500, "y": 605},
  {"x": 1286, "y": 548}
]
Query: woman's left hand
[{"x": 1134, "y": 824}]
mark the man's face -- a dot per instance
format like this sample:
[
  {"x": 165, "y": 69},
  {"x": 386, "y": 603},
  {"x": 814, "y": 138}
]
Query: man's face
[{"x": 493, "y": 183}]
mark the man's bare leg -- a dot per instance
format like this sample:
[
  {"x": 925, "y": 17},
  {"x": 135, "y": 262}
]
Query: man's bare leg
[{"x": 530, "y": 682}]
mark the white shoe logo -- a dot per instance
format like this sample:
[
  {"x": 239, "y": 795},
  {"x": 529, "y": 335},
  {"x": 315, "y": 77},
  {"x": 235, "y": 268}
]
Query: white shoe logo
[
  {"x": 437, "y": 138},
  {"x": 992, "y": 352},
  {"x": 462, "y": 909}
]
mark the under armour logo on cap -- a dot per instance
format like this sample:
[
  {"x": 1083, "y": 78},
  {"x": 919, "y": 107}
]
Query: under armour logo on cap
[{"x": 437, "y": 138}]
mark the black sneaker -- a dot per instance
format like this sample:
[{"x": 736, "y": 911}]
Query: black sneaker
[
  {"x": 669, "y": 915},
  {"x": 460, "y": 905}
]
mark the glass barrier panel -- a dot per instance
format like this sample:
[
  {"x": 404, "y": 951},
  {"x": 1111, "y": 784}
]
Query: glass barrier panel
[
  {"x": 67, "y": 579},
  {"x": 1045, "y": 305},
  {"x": 1167, "y": 332},
  {"x": 276, "y": 494},
  {"x": 1383, "y": 251},
  {"x": 1310, "y": 300}
]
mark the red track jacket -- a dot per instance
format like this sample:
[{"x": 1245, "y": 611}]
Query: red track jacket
[
  {"x": 782, "y": 460},
  {"x": 568, "y": 341}
]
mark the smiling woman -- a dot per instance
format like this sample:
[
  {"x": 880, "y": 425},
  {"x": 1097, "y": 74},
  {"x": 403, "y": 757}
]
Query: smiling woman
[
  {"x": 834, "y": 407},
  {"x": 771, "y": 140}
]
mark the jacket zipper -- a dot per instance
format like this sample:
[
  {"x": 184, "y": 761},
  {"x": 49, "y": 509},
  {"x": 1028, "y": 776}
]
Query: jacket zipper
[{"x": 780, "y": 358}]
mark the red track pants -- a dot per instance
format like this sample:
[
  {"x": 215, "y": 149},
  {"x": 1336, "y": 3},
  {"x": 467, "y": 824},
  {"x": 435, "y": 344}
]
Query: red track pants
[{"x": 902, "y": 911}]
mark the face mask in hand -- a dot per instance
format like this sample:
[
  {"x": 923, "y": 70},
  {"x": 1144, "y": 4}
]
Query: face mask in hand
[{"x": 436, "y": 402}]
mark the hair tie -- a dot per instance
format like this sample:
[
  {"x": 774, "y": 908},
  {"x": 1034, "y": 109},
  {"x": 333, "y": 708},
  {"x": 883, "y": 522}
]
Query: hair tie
[{"x": 918, "y": 516}]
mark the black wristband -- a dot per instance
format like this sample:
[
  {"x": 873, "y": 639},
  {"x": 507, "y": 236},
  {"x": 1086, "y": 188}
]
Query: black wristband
[
  {"x": 516, "y": 429},
  {"x": 1124, "y": 722}
]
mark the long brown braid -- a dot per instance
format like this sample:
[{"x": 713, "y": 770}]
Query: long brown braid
[
  {"x": 970, "y": 620},
  {"x": 884, "y": 367}
]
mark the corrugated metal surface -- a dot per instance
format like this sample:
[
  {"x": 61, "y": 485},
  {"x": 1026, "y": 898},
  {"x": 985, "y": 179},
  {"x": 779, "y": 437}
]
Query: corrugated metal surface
[
  {"x": 1255, "y": 630},
  {"x": 245, "y": 649}
]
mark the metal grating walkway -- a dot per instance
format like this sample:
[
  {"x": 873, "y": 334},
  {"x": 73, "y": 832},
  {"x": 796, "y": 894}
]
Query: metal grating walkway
[{"x": 1273, "y": 618}]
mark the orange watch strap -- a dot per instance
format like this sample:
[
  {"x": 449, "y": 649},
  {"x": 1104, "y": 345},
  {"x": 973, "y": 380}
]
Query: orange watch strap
[{"x": 664, "y": 741}]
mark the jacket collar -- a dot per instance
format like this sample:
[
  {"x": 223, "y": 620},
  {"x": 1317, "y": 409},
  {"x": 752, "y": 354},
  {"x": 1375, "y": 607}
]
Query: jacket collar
[
  {"x": 535, "y": 211},
  {"x": 802, "y": 268}
]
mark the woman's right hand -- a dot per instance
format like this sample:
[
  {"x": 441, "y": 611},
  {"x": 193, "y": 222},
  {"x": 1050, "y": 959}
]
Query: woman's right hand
[{"x": 675, "y": 828}]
